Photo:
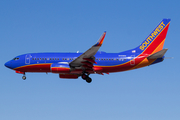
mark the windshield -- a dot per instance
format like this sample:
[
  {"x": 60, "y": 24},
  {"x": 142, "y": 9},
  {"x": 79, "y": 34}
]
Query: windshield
[{"x": 16, "y": 58}]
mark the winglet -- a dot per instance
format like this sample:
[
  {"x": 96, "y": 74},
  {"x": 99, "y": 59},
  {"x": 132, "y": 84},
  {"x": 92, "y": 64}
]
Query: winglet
[{"x": 100, "y": 41}]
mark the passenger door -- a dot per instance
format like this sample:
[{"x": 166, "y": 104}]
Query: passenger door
[{"x": 27, "y": 59}]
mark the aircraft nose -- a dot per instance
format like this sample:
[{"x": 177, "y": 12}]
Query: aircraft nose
[{"x": 8, "y": 64}]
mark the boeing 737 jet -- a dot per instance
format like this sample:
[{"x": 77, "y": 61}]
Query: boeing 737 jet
[{"x": 74, "y": 65}]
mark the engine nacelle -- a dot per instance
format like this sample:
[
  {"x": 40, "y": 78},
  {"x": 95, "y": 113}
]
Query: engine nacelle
[
  {"x": 60, "y": 68},
  {"x": 68, "y": 76}
]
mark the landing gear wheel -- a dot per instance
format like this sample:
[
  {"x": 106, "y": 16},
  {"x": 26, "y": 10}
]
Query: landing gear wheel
[
  {"x": 84, "y": 77},
  {"x": 24, "y": 77},
  {"x": 88, "y": 80}
]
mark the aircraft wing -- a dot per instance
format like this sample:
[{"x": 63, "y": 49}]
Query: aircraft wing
[{"x": 87, "y": 59}]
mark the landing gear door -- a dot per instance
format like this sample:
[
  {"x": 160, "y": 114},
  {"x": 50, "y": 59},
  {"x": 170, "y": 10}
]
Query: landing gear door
[{"x": 27, "y": 59}]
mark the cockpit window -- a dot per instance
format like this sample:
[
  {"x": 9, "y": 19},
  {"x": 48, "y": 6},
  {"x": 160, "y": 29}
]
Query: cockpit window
[{"x": 16, "y": 58}]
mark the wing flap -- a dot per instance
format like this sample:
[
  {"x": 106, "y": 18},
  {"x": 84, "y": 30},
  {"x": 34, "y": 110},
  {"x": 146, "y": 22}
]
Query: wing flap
[{"x": 90, "y": 60}]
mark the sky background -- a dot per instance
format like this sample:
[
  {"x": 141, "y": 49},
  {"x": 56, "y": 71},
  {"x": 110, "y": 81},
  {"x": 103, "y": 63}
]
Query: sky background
[{"x": 27, "y": 26}]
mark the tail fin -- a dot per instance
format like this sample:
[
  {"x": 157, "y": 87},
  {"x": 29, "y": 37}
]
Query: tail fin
[{"x": 155, "y": 41}]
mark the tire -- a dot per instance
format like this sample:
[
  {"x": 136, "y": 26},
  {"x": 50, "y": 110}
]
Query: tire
[
  {"x": 88, "y": 80},
  {"x": 24, "y": 77}
]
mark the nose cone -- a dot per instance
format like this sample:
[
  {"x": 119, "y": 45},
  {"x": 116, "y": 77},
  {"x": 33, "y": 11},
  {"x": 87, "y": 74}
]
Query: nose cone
[{"x": 8, "y": 64}]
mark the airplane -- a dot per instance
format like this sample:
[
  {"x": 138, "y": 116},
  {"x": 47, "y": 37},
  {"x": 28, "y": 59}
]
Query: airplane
[{"x": 92, "y": 61}]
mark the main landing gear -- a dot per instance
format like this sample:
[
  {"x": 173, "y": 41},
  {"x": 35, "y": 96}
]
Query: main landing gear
[{"x": 86, "y": 77}]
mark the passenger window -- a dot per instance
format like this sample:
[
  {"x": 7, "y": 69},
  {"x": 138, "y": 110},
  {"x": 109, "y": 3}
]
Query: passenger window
[
  {"x": 37, "y": 58},
  {"x": 32, "y": 58},
  {"x": 45, "y": 58}
]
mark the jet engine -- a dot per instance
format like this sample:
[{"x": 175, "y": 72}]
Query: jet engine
[{"x": 60, "y": 68}]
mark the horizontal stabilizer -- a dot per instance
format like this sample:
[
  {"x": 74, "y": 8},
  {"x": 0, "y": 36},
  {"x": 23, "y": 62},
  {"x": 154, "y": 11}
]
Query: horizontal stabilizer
[{"x": 159, "y": 54}]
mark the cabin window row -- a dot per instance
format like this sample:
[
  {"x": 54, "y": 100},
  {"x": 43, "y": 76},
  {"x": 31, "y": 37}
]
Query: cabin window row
[
  {"x": 52, "y": 58},
  {"x": 97, "y": 59},
  {"x": 68, "y": 59},
  {"x": 110, "y": 59},
  {"x": 45, "y": 58}
]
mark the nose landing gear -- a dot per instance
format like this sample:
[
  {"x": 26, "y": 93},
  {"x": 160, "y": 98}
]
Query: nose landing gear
[{"x": 24, "y": 77}]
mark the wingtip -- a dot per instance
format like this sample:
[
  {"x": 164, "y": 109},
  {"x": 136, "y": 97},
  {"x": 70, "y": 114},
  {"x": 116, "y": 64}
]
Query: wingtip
[{"x": 100, "y": 41}]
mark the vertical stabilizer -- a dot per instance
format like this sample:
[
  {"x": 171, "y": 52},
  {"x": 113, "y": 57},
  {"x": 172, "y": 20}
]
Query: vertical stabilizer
[{"x": 155, "y": 41}]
